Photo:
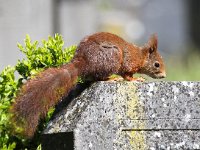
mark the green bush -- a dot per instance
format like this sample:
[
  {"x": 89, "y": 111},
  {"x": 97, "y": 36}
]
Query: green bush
[{"x": 50, "y": 53}]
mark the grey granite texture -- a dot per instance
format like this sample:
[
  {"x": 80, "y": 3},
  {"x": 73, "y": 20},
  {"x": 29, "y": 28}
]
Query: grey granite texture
[{"x": 133, "y": 115}]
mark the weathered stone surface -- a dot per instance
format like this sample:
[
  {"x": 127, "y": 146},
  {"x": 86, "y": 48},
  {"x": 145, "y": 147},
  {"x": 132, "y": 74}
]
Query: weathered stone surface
[{"x": 132, "y": 115}]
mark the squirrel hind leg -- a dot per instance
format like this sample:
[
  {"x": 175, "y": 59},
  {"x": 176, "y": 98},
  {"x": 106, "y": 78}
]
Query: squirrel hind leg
[{"x": 103, "y": 61}]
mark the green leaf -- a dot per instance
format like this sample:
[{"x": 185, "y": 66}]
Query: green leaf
[{"x": 38, "y": 56}]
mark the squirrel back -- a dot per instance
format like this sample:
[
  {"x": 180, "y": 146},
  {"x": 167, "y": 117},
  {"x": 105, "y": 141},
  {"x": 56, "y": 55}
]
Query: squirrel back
[{"x": 97, "y": 57}]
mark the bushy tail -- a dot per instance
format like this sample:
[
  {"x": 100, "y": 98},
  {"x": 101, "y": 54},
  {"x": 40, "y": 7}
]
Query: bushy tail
[{"x": 41, "y": 93}]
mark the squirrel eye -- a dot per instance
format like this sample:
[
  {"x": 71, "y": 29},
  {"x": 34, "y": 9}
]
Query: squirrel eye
[{"x": 156, "y": 64}]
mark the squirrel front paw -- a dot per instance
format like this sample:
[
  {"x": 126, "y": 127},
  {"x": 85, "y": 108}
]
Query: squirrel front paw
[{"x": 130, "y": 78}]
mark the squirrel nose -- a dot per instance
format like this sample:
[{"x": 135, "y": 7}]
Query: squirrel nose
[{"x": 162, "y": 74}]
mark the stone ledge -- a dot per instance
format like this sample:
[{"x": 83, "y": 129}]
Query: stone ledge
[{"x": 132, "y": 115}]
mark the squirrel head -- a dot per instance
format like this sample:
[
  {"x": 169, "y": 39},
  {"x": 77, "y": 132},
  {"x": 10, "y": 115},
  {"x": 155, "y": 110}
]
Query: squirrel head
[{"x": 153, "y": 64}]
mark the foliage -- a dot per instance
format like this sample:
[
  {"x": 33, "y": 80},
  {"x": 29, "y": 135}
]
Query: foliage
[{"x": 50, "y": 53}]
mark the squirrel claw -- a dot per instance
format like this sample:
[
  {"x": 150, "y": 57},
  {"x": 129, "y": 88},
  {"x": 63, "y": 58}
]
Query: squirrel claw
[{"x": 140, "y": 79}]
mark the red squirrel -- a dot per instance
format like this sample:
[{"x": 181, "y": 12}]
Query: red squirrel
[{"x": 97, "y": 57}]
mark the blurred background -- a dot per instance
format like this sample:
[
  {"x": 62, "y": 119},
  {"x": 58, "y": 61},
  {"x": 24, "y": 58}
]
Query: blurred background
[{"x": 176, "y": 22}]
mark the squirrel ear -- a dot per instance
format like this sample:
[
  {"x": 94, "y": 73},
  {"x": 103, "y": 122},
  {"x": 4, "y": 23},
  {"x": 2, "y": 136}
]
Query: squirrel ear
[{"x": 153, "y": 43}]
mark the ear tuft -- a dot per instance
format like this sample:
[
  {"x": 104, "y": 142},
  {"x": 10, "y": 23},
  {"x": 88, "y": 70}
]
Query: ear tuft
[{"x": 153, "y": 41}]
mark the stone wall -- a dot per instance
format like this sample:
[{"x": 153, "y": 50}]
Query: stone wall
[{"x": 129, "y": 115}]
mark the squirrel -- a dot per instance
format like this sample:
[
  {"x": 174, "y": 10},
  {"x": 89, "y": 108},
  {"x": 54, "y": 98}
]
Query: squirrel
[{"x": 97, "y": 57}]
